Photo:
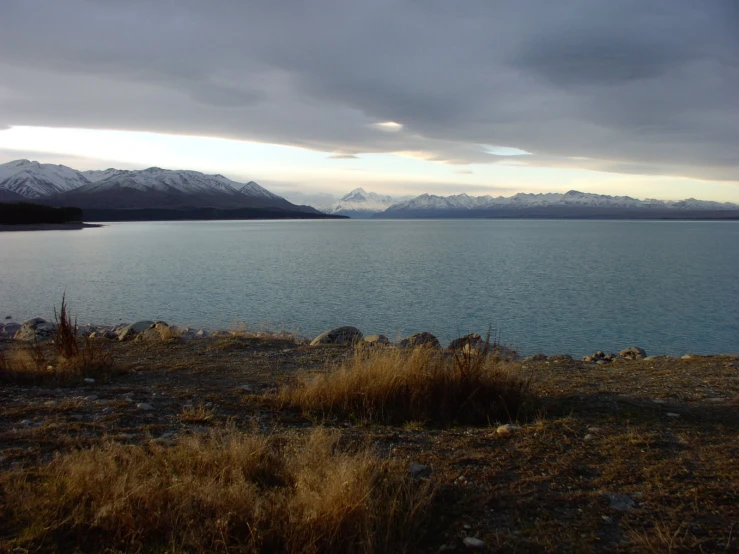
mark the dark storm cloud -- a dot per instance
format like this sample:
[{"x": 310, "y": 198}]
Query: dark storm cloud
[{"x": 629, "y": 86}]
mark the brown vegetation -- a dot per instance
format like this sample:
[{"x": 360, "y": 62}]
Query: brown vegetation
[
  {"x": 416, "y": 385},
  {"x": 73, "y": 358},
  {"x": 231, "y": 492}
]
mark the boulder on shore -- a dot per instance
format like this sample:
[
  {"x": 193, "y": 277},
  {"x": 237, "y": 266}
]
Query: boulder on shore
[
  {"x": 473, "y": 340},
  {"x": 420, "y": 339},
  {"x": 8, "y": 330},
  {"x": 159, "y": 331},
  {"x": 130, "y": 331},
  {"x": 633, "y": 353},
  {"x": 35, "y": 329},
  {"x": 340, "y": 335},
  {"x": 376, "y": 340}
]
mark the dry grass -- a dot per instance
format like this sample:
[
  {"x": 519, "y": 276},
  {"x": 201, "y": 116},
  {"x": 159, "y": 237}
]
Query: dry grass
[
  {"x": 35, "y": 364},
  {"x": 231, "y": 492},
  {"x": 74, "y": 359},
  {"x": 418, "y": 385},
  {"x": 196, "y": 414}
]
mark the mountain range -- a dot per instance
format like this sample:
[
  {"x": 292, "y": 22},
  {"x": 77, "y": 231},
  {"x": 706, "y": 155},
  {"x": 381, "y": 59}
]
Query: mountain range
[
  {"x": 155, "y": 193},
  {"x": 147, "y": 189},
  {"x": 572, "y": 204},
  {"x": 360, "y": 204}
]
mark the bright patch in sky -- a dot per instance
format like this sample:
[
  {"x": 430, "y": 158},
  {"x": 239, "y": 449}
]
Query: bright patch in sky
[
  {"x": 389, "y": 126},
  {"x": 310, "y": 176},
  {"x": 505, "y": 151}
]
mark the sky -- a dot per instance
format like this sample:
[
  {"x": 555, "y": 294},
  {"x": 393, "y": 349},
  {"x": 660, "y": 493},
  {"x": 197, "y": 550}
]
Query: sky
[{"x": 313, "y": 99}]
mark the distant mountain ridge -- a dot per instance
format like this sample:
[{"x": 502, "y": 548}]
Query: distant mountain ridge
[
  {"x": 152, "y": 188},
  {"x": 553, "y": 204},
  {"x": 361, "y": 204}
]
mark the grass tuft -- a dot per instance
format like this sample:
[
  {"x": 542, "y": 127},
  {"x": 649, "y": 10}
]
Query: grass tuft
[
  {"x": 418, "y": 385},
  {"x": 71, "y": 360},
  {"x": 229, "y": 492},
  {"x": 196, "y": 414}
]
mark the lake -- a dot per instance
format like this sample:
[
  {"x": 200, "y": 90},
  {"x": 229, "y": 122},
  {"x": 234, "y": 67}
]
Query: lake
[{"x": 550, "y": 286}]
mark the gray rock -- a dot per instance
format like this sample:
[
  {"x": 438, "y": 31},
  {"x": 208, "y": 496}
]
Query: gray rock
[
  {"x": 158, "y": 331},
  {"x": 376, "y": 339},
  {"x": 535, "y": 358},
  {"x": 340, "y": 335},
  {"x": 621, "y": 502},
  {"x": 419, "y": 470},
  {"x": 130, "y": 331},
  {"x": 633, "y": 353},
  {"x": 507, "y": 429},
  {"x": 89, "y": 380},
  {"x": 420, "y": 339},
  {"x": 587, "y": 359},
  {"x": 108, "y": 410},
  {"x": 9, "y": 329},
  {"x": 471, "y": 340},
  {"x": 35, "y": 329},
  {"x": 91, "y": 398},
  {"x": 144, "y": 406},
  {"x": 688, "y": 357},
  {"x": 472, "y": 542}
]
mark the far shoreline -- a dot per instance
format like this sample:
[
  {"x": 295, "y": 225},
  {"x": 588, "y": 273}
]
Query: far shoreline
[{"x": 49, "y": 227}]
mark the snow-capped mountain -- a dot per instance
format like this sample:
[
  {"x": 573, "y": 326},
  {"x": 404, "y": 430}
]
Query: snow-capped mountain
[
  {"x": 576, "y": 201},
  {"x": 155, "y": 179},
  {"x": 361, "y": 204},
  {"x": 143, "y": 189},
  {"x": 35, "y": 180},
  {"x": 95, "y": 175}
]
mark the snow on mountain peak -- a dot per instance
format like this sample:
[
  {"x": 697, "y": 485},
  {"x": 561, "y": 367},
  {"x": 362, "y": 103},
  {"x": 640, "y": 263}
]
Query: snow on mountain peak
[
  {"x": 360, "y": 203},
  {"x": 35, "y": 180}
]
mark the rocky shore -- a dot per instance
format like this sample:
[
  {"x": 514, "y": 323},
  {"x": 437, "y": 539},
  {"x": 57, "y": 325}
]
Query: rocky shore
[
  {"x": 39, "y": 329},
  {"x": 637, "y": 453}
]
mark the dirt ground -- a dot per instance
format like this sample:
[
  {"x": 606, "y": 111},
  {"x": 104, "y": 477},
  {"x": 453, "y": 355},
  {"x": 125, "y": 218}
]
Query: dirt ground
[{"x": 633, "y": 456}]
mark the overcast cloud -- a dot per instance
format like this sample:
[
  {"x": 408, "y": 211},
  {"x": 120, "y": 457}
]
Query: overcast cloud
[{"x": 643, "y": 87}]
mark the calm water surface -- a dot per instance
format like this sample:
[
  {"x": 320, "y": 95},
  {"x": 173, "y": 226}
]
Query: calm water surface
[{"x": 551, "y": 286}]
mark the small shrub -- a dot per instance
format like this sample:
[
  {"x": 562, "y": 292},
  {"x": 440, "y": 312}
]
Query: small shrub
[
  {"x": 69, "y": 359},
  {"x": 65, "y": 337},
  {"x": 418, "y": 385},
  {"x": 196, "y": 414},
  {"x": 231, "y": 492}
]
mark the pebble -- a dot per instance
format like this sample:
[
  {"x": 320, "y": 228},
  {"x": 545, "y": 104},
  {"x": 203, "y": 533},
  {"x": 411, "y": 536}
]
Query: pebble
[
  {"x": 588, "y": 437},
  {"x": 672, "y": 414},
  {"x": 108, "y": 410},
  {"x": 246, "y": 388},
  {"x": 89, "y": 380},
  {"x": 659, "y": 400},
  {"x": 77, "y": 417},
  {"x": 472, "y": 542},
  {"x": 91, "y": 398},
  {"x": 50, "y": 403},
  {"x": 419, "y": 470},
  {"x": 620, "y": 502},
  {"x": 209, "y": 404},
  {"x": 607, "y": 519},
  {"x": 144, "y": 406},
  {"x": 594, "y": 429},
  {"x": 507, "y": 428},
  {"x": 26, "y": 423},
  {"x": 687, "y": 357}
]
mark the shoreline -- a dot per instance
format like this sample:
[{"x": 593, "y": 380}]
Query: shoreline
[
  {"x": 48, "y": 227},
  {"x": 148, "y": 330}
]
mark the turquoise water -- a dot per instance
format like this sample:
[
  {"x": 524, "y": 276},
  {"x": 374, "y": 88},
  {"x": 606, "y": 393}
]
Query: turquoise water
[{"x": 550, "y": 286}]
